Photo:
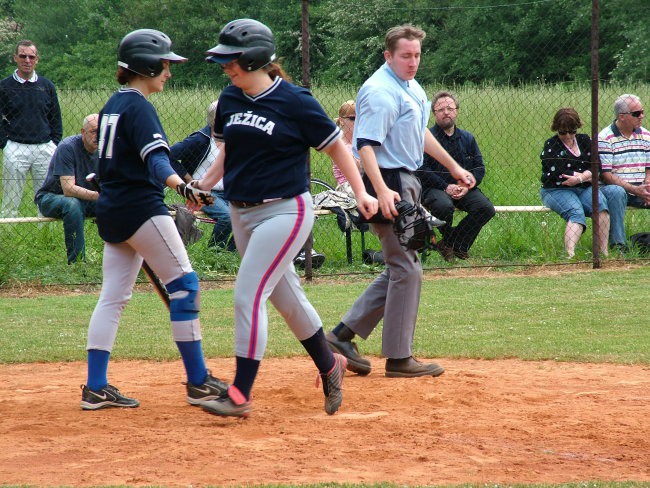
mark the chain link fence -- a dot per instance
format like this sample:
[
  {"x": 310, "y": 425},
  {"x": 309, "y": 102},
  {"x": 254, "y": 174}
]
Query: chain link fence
[{"x": 510, "y": 124}]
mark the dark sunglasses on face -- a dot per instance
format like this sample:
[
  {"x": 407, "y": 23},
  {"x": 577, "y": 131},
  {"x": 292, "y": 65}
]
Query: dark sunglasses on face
[
  {"x": 351, "y": 117},
  {"x": 636, "y": 114},
  {"x": 31, "y": 57},
  {"x": 565, "y": 132}
]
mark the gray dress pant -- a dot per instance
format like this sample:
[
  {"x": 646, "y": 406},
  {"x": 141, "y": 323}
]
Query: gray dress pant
[{"x": 395, "y": 294}]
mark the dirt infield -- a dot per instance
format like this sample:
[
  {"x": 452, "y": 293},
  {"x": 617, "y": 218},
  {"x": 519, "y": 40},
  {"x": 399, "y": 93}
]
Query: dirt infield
[{"x": 482, "y": 421}]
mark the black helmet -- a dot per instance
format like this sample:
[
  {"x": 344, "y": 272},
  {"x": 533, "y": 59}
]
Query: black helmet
[
  {"x": 143, "y": 50},
  {"x": 248, "y": 41}
]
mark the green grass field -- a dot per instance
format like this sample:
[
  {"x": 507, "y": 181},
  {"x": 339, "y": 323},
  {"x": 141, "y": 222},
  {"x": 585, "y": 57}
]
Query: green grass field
[{"x": 592, "y": 316}]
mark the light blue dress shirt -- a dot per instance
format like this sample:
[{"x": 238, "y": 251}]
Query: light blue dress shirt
[{"x": 395, "y": 113}]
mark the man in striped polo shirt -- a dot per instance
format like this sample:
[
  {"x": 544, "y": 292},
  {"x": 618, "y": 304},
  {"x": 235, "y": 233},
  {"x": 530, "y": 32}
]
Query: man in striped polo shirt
[{"x": 624, "y": 149}]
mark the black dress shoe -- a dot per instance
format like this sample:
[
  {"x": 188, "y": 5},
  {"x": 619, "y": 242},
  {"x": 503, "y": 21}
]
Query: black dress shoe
[
  {"x": 356, "y": 363},
  {"x": 461, "y": 254},
  {"x": 447, "y": 252},
  {"x": 411, "y": 368}
]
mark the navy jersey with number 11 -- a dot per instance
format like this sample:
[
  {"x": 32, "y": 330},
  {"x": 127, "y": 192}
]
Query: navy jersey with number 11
[{"x": 129, "y": 130}]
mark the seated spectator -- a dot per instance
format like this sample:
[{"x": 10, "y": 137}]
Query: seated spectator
[
  {"x": 66, "y": 194},
  {"x": 566, "y": 180},
  {"x": 191, "y": 158},
  {"x": 624, "y": 150},
  {"x": 345, "y": 120},
  {"x": 441, "y": 193}
]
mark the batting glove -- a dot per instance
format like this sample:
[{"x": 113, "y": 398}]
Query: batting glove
[{"x": 193, "y": 194}]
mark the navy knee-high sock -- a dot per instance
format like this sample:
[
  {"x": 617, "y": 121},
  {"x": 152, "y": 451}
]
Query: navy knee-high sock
[
  {"x": 319, "y": 351},
  {"x": 245, "y": 375}
]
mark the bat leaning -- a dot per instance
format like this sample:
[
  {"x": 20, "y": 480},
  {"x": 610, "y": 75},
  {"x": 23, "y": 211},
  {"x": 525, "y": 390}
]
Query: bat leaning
[{"x": 153, "y": 278}]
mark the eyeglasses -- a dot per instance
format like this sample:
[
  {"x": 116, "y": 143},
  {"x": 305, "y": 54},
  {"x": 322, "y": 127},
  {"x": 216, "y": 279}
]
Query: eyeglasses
[
  {"x": 445, "y": 109},
  {"x": 351, "y": 117},
  {"x": 565, "y": 132},
  {"x": 31, "y": 57},
  {"x": 635, "y": 114}
]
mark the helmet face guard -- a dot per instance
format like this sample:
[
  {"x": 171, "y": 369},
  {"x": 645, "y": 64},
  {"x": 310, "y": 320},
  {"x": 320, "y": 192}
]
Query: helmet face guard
[
  {"x": 144, "y": 50},
  {"x": 248, "y": 41}
]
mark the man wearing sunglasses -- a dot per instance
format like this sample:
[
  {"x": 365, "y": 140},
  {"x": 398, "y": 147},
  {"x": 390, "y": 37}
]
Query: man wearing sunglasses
[
  {"x": 30, "y": 127},
  {"x": 624, "y": 149}
]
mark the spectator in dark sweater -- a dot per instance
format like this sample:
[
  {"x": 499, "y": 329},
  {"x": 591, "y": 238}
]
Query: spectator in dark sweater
[
  {"x": 440, "y": 192},
  {"x": 191, "y": 158},
  {"x": 30, "y": 127}
]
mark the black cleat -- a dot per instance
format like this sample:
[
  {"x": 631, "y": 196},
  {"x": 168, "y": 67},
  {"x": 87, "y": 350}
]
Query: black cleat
[{"x": 109, "y": 396}]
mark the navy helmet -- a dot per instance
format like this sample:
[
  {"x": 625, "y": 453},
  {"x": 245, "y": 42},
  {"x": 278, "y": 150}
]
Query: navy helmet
[
  {"x": 248, "y": 41},
  {"x": 143, "y": 51}
]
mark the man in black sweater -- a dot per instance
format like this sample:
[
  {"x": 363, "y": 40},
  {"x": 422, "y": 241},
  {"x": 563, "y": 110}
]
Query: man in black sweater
[
  {"x": 30, "y": 127},
  {"x": 440, "y": 192}
]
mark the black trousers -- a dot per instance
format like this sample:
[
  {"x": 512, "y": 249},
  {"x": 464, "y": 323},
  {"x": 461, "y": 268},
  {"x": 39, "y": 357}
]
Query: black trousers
[{"x": 479, "y": 212}]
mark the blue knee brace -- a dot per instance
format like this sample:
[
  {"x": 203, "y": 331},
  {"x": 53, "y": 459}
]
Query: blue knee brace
[{"x": 184, "y": 297}]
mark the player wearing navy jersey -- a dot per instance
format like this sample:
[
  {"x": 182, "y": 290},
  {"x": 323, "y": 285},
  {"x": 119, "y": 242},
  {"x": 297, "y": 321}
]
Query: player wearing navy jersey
[
  {"x": 134, "y": 222},
  {"x": 268, "y": 126}
]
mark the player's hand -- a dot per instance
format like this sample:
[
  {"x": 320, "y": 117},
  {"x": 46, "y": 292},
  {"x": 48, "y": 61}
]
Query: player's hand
[
  {"x": 193, "y": 195},
  {"x": 367, "y": 205}
]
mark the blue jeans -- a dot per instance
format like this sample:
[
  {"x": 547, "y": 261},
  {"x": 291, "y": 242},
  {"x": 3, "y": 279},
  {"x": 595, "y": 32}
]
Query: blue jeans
[
  {"x": 220, "y": 212},
  {"x": 617, "y": 202},
  {"x": 73, "y": 212},
  {"x": 574, "y": 204}
]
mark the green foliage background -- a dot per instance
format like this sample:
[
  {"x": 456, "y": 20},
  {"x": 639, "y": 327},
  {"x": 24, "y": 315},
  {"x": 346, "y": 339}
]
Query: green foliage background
[{"x": 475, "y": 41}]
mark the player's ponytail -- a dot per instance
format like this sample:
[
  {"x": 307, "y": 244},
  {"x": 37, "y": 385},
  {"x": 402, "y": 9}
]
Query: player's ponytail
[
  {"x": 124, "y": 76},
  {"x": 274, "y": 70}
]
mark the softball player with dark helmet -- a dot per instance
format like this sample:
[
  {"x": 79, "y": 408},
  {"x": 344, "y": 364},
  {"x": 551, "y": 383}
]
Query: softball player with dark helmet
[
  {"x": 268, "y": 126},
  {"x": 134, "y": 222}
]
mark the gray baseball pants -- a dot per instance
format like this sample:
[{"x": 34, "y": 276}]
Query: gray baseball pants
[{"x": 395, "y": 294}]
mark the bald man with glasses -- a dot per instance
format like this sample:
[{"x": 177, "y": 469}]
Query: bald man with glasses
[
  {"x": 30, "y": 127},
  {"x": 624, "y": 149}
]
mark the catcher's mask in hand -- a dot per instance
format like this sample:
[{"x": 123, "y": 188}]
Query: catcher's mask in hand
[{"x": 414, "y": 226}]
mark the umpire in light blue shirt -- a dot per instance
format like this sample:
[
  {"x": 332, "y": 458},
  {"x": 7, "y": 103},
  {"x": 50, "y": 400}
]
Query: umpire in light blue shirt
[{"x": 390, "y": 137}]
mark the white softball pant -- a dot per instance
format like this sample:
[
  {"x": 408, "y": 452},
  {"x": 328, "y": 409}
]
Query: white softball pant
[
  {"x": 268, "y": 238},
  {"x": 158, "y": 242}
]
